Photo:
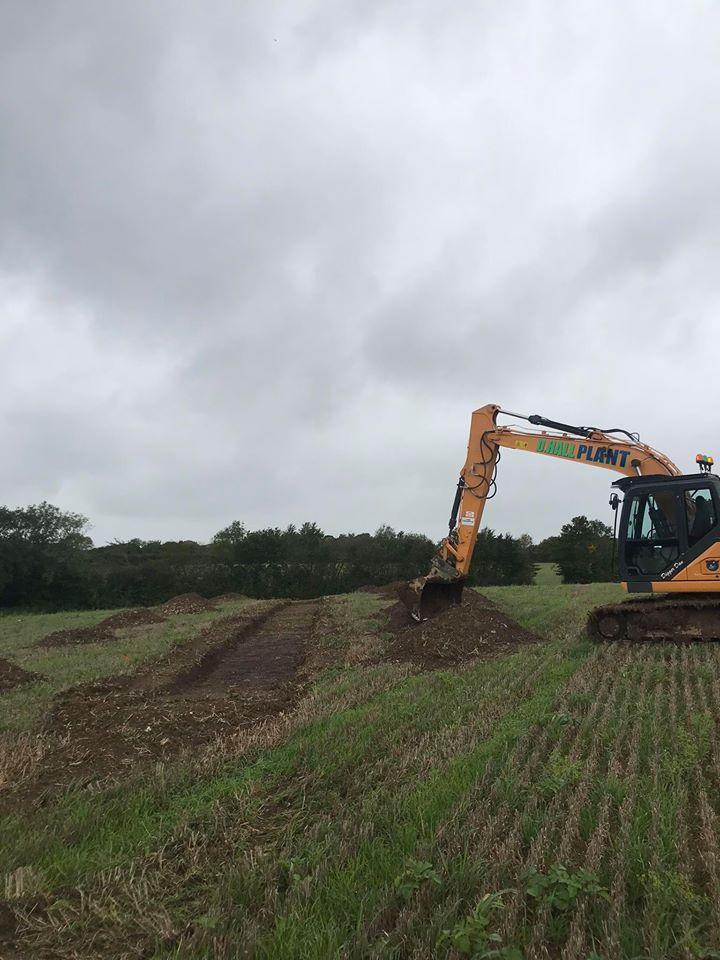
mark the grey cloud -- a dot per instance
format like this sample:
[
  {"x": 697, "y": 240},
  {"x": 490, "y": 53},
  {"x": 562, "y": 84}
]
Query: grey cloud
[{"x": 306, "y": 241}]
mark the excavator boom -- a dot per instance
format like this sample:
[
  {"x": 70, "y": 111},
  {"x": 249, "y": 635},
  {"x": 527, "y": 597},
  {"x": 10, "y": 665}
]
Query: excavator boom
[{"x": 610, "y": 449}]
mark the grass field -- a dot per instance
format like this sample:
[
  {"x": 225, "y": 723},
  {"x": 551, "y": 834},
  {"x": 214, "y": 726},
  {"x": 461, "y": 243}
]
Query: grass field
[
  {"x": 558, "y": 802},
  {"x": 547, "y": 573}
]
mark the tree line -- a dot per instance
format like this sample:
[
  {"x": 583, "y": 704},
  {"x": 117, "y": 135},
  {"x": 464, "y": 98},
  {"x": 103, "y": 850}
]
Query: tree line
[{"x": 48, "y": 561}]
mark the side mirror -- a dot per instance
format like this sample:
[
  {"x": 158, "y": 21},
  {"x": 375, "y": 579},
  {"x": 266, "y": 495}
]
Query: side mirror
[{"x": 614, "y": 501}]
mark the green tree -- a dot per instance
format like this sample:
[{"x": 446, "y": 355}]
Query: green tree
[
  {"x": 43, "y": 554},
  {"x": 501, "y": 559},
  {"x": 584, "y": 551},
  {"x": 546, "y": 551},
  {"x": 226, "y": 541}
]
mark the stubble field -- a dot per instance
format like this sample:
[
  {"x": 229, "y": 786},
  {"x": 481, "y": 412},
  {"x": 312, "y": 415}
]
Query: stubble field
[{"x": 294, "y": 781}]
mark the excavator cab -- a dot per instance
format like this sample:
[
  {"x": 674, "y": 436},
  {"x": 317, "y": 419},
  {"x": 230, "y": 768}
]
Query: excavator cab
[
  {"x": 668, "y": 544},
  {"x": 667, "y": 526}
]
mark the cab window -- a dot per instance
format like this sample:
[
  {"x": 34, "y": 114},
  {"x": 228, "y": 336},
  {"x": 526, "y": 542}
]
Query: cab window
[
  {"x": 701, "y": 514},
  {"x": 651, "y": 534}
]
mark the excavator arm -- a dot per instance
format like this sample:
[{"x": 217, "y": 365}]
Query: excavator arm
[{"x": 615, "y": 449}]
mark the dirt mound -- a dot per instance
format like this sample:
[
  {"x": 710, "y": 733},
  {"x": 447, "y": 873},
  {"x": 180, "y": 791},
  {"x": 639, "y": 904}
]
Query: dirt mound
[
  {"x": 187, "y": 603},
  {"x": 11, "y": 675},
  {"x": 102, "y": 632},
  {"x": 475, "y": 629},
  {"x": 63, "y": 638},
  {"x": 131, "y": 618}
]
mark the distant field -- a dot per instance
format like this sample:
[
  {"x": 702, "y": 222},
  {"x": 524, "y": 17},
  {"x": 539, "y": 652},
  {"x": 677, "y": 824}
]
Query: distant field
[
  {"x": 559, "y": 802},
  {"x": 547, "y": 573}
]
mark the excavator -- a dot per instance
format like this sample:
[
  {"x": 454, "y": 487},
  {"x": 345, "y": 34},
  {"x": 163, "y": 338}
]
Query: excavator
[{"x": 668, "y": 541}]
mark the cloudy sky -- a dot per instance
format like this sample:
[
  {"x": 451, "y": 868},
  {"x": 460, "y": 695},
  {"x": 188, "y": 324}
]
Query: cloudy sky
[{"x": 261, "y": 260}]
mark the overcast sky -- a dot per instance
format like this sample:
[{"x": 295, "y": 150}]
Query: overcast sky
[{"x": 260, "y": 261}]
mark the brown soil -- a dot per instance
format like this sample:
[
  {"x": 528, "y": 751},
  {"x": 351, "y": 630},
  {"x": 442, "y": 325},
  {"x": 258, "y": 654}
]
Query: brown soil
[
  {"x": 11, "y": 675},
  {"x": 102, "y": 632},
  {"x": 475, "y": 629},
  {"x": 269, "y": 656},
  {"x": 8, "y": 921},
  {"x": 62, "y": 638},
  {"x": 187, "y": 603},
  {"x": 237, "y": 671},
  {"x": 131, "y": 618}
]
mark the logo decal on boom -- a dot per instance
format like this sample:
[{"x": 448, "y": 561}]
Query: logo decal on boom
[{"x": 582, "y": 451}]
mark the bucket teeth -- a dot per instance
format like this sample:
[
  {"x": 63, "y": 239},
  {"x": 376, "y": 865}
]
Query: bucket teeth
[{"x": 427, "y": 597}]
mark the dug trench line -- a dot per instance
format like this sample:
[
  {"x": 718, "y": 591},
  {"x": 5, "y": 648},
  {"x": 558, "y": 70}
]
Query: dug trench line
[
  {"x": 237, "y": 671},
  {"x": 268, "y": 657}
]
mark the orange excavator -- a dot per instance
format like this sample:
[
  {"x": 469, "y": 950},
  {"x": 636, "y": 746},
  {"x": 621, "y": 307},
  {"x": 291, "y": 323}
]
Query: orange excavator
[{"x": 668, "y": 540}]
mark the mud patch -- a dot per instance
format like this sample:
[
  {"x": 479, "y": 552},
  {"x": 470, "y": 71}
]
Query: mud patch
[
  {"x": 11, "y": 675},
  {"x": 268, "y": 657},
  {"x": 187, "y": 603},
  {"x": 476, "y": 629},
  {"x": 237, "y": 671},
  {"x": 8, "y": 921},
  {"x": 63, "y": 638},
  {"x": 102, "y": 632}
]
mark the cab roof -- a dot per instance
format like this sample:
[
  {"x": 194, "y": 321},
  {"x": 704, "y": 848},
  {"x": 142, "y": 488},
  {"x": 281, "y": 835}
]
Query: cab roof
[{"x": 685, "y": 479}]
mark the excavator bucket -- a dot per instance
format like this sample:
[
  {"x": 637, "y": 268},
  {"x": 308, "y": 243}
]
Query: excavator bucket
[{"x": 426, "y": 597}]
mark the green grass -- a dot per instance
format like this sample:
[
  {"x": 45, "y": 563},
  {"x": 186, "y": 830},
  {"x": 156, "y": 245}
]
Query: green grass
[
  {"x": 546, "y": 573},
  {"x": 549, "y": 609},
  {"x": 581, "y": 767}
]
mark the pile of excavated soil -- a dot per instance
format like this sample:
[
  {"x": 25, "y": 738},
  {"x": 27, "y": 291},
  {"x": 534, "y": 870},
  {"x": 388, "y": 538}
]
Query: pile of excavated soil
[
  {"x": 187, "y": 603},
  {"x": 475, "y": 629},
  {"x": 100, "y": 633},
  {"x": 11, "y": 675},
  {"x": 131, "y": 618}
]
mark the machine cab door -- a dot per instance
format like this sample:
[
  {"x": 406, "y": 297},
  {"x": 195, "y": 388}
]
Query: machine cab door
[
  {"x": 653, "y": 535},
  {"x": 701, "y": 517}
]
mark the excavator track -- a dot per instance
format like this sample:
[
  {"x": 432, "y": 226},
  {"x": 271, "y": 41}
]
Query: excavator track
[{"x": 679, "y": 617}]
